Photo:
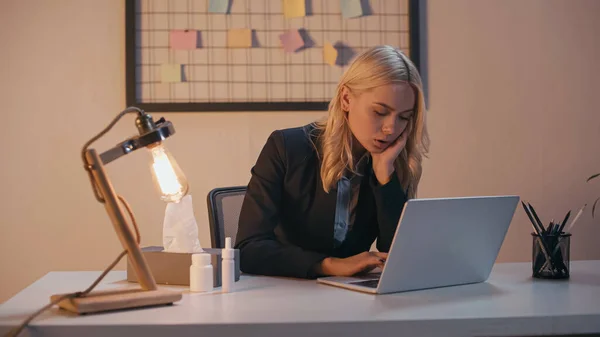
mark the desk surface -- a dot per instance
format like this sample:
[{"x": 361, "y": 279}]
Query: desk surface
[{"x": 509, "y": 303}]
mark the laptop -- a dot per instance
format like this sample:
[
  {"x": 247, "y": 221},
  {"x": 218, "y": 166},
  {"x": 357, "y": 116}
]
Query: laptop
[{"x": 440, "y": 242}]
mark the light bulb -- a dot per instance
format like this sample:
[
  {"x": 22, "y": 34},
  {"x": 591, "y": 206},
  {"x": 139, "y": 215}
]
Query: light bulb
[{"x": 168, "y": 178}]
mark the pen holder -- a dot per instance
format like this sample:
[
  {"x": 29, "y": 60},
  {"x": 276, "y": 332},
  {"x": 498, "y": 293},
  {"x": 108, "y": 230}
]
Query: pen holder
[{"x": 550, "y": 259}]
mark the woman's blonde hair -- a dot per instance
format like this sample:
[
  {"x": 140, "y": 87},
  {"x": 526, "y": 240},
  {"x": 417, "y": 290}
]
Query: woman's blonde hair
[{"x": 381, "y": 65}]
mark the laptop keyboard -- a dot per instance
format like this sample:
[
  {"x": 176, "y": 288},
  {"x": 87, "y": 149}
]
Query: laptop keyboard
[{"x": 367, "y": 283}]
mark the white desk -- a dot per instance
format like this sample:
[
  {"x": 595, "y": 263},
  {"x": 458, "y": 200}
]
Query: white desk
[{"x": 510, "y": 303}]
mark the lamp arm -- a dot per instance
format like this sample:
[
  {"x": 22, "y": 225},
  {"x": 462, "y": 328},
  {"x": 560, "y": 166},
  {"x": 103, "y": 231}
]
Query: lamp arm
[
  {"x": 126, "y": 236},
  {"x": 86, "y": 165},
  {"x": 106, "y": 194}
]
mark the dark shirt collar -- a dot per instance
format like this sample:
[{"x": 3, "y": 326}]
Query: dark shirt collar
[{"x": 360, "y": 156}]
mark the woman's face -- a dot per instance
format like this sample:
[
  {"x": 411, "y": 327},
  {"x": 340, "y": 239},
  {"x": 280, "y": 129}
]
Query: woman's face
[{"x": 377, "y": 117}]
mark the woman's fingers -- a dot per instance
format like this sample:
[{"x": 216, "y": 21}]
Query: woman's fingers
[
  {"x": 375, "y": 261},
  {"x": 381, "y": 254}
]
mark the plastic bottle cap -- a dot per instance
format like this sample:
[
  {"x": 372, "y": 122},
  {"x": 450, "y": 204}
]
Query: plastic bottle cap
[
  {"x": 227, "y": 252},
  {"x": 201, "y": 259}
]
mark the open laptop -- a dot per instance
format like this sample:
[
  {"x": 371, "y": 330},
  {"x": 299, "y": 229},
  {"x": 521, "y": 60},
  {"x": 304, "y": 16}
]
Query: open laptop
[{"x": 440, "y": 242}]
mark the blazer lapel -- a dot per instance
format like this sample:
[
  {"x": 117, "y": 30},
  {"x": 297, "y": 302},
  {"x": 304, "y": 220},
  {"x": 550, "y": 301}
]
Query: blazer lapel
[{"x": 322, "y": 217}]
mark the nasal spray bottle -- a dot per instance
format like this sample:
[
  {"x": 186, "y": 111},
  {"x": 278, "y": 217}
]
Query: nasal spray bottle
[{"x": 227, "y": 267}]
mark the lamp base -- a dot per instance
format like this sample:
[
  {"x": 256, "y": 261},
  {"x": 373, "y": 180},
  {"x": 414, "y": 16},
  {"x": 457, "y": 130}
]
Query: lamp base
[{"x": 106, "y": 300}]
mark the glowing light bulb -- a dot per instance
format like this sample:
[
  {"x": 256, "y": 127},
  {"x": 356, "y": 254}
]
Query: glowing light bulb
[{"x": 168, "y": 178}]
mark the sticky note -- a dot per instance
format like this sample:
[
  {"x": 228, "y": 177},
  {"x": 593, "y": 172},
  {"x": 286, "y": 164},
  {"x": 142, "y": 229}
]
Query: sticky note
[
  {"x": 239, "y": 38},
  {"x": 351, "y": 8},
  {"x": 329, "y": 54},
  {"x": 291, "y": 41},
  {"x": 170, "y": 73},
  {"x": 218, "y": 6},
  {"x": 294, "y": 8},
  {"x": 183, "y": 39}
]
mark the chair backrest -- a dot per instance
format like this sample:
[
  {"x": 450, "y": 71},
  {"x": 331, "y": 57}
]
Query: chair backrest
[{"x": 224, "y": 205}]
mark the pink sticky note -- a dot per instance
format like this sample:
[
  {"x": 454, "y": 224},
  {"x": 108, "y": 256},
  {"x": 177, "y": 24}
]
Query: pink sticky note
[
  {"x": 291, "y": 41},
  {"x": 183, "y": 39}
]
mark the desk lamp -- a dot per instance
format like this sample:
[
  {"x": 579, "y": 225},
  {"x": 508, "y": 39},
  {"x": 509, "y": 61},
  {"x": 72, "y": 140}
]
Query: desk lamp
[{"x": 172, "y": 185}]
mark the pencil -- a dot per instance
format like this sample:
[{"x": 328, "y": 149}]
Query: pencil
[
  {"x": 570, "y": 226},
  {"x": 536, "y": 217},
  {"x": 535, "y": 225},
  {"x": 564, "y": 222},
  {"x": 539, "y": 238}
]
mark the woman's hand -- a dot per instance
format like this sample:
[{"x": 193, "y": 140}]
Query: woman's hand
[
  {"x": 361, "y": 263},
  {"x": 383, "y": 163}
]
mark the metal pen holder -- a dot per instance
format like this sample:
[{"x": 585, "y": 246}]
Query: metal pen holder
[{"x": 551, "y": 255}]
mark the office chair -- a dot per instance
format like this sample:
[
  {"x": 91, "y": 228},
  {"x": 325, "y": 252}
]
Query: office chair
[{"x": 224, "y": 205}]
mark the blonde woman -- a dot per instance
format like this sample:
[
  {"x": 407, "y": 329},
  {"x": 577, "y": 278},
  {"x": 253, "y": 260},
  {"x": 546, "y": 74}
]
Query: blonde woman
[{"x": 321, "y": 194}]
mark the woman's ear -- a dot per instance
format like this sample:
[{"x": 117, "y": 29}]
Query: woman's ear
[{"x": 345, "y": 99}]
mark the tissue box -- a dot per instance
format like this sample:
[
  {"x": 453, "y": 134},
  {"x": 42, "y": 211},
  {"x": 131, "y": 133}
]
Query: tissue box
[{"x": 174, "y": 268}]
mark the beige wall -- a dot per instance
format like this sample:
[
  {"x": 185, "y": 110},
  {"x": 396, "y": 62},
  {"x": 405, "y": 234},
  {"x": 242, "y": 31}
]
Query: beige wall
[{"x": 513, "y": 109}]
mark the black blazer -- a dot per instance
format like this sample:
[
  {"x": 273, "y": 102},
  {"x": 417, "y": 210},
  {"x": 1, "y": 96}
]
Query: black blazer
[{"x": 287, "y": 220}]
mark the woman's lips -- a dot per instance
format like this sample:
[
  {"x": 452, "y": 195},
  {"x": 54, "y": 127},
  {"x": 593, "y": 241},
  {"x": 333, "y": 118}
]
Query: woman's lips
[{"x": 380, "y": 144}]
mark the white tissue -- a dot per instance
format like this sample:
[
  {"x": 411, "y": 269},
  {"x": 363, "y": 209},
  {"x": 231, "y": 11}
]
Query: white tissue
[{"x": 180, "y": 231}]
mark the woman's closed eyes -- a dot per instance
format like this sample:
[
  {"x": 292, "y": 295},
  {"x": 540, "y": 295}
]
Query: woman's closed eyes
[{"x": 385, "y": 113}]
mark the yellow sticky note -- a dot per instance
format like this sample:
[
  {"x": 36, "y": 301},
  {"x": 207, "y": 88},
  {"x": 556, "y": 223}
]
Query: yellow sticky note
[
  {"x": 170, "y": 73},
  {"x": 294, "y": 8},
  {"x": 329, "y": 54},
  {"x": 239, "y": 38}
]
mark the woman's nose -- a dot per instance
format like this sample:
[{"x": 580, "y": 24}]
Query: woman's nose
[{"x": 388, "y": 127}]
